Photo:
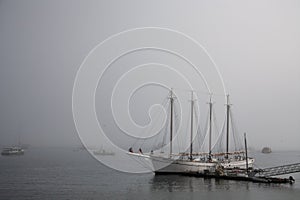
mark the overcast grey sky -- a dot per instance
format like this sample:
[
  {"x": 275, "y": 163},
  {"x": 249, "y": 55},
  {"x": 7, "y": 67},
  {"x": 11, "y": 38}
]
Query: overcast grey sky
[{"x": 256, "y": 45}]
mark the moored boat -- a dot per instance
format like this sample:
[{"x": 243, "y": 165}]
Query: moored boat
[
  {"x": 266, "y": 150},
  {"x": 103, "y": 152},
  {"x": 202, "y": 163},
  {"x": 12, "y": 151}
]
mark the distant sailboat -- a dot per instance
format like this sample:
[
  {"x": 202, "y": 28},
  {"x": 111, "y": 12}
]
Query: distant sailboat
[
  {"x": 14, "y": 150},
  {"x": 103, "y": 152}
]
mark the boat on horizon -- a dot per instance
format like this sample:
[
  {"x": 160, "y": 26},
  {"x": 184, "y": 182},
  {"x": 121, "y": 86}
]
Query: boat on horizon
[
  {"x": 103, "y": 152},
  {"x": 9, "y": 151},
  {"x": 15, "y": 150},
  {"x": 266, "y": 150}
]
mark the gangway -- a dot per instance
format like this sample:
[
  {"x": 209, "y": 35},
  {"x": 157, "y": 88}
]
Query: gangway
[{"x": 280, "y": 170}]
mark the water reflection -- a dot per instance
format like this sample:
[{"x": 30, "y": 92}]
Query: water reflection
[
  {"x": 187, "y": 184},
  {"x": 172, "y": 183}
]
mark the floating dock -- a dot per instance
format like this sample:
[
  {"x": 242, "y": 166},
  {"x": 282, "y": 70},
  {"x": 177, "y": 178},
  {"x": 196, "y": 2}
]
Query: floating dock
[
  {"x": 239, "y": 177},
  {"x": 252, "y": 175}
]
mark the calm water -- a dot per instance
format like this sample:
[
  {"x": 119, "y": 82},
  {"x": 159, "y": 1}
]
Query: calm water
[{"x": 67, "y": 174}]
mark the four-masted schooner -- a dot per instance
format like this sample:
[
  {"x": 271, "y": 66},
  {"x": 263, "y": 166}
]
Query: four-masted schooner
[{"x": 203, "y": 163}]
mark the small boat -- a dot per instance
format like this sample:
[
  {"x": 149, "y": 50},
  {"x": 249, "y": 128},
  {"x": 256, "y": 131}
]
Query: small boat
[
  {"x": 103, "y": 152},
  {"x": 266, "y": 150},
  {"x": 12, "y": 151}
]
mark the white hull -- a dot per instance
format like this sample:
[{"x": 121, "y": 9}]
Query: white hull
[
  {"x": 12, "y": 151},
  {"x": 167, "y": 165},
  {"x": 159, "y": 164},
  {"x": 238, "y": 164}
]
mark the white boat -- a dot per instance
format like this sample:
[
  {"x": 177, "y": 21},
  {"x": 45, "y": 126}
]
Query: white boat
[
  {"x": 194, "y": 162},
  {"x": 103, "y": 152},
  {"x": 164, "y": 165},
  {"x": 12, "y": 151}
]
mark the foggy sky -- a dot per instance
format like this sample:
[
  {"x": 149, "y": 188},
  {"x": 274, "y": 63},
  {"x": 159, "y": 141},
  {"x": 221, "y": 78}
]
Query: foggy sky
[{"x": 256, "y": 45}]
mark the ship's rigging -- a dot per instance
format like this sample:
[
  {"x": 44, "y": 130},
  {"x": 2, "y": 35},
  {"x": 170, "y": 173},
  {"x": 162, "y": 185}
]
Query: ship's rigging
[{"x": 208, "y": 141}]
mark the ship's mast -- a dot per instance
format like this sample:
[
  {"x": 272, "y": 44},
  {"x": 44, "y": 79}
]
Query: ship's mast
[
  {"x": 227, "y": 126},
  {"x": 210, "y": 128},
  {"x": 171, "y": 120},
  {"x": 246, "y": 149},
  {"x": 19, "y": 140},
  {"x": 192, "y": 118}
]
